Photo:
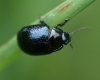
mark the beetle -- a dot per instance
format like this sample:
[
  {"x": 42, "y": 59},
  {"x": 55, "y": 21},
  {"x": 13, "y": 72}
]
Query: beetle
[{"x": 38, "y": 40}]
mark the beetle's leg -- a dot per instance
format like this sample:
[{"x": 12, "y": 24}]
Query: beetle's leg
[
  {"x": 62, "y": 24},
  {"x": 41, "y": 21},
  {"x": 58, "y": 49}
]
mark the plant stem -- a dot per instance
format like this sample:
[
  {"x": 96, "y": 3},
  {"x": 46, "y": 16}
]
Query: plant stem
[{"x": 67, "y": 10}]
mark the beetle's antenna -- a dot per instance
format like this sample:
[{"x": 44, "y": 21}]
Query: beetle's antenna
[
  {"x": 85, "y": 28},
  {"x": 71, "y": 45}
]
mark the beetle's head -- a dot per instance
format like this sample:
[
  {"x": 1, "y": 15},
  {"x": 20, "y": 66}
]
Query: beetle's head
[{"x": 66, "y": 37}]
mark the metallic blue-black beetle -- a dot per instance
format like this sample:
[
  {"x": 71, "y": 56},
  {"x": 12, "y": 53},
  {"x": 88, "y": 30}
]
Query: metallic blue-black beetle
[{"x": 38, "y": 40}]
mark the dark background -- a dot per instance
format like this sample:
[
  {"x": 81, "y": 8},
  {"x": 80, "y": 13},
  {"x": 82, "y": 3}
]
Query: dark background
[{"x": 82, "y": 63}]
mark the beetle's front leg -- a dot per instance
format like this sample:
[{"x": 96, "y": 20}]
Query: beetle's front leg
[{"x": 63, "y": 23}]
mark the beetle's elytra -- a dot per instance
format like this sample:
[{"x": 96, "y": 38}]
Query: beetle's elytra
[{"x": 38, "y": 40}]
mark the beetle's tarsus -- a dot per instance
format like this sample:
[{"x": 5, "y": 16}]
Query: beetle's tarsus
[
  {"x": 62, "y": 24},
  {"x": 41, "y": 20}
]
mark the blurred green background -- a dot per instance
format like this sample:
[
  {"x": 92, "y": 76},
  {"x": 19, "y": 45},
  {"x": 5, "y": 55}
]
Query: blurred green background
[{"x": 82, "y": 63}]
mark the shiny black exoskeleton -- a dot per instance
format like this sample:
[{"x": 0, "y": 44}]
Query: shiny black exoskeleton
[{"x": 38, "y": 40}]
